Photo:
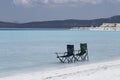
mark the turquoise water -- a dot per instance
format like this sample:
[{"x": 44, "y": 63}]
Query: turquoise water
[{"x": 29, "y": 50}]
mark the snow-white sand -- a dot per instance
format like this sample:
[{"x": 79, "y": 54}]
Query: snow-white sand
[{"x": 95, "y": 71}]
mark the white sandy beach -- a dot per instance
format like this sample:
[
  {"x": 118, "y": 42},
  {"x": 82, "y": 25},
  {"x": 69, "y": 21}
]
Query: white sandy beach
[{"x": 95, "y": 71}]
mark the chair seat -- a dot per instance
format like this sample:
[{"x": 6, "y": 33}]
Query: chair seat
[
  {"x": 82, "y": 53},
  {"x": 67, "y": 56}
]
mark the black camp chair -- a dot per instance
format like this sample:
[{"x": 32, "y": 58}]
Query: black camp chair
[
  {"x": 67, "y": 56},
  {"x": 82, "y": 54}
]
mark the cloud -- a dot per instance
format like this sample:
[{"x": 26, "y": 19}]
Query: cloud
[
  {"x": 118, "y": 0},
  {"x": 24, "y": 2},
  {"x": 58, "y": 2},
  {"x": 55, "y": 2}
]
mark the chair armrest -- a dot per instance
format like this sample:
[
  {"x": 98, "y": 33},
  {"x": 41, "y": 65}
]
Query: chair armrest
[
  {"x": 65, "y": 52},
  {"x": 60, "y": 53}
]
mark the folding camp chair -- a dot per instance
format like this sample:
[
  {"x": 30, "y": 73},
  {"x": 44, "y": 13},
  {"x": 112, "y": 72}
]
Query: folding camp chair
[
  {"x": 82, "y": 54},
  {"x": 67, "y": 56}
]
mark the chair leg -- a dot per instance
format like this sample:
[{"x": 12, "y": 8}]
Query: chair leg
[
  {"x": 85, "y": 57},
  {"x": 73, "y": 59},
  {"x": 64, "y": 59},
  {"x": 78, "y": 58},
  {"x": 67, "y": 59},
  {"x": 61, "y": 59}
]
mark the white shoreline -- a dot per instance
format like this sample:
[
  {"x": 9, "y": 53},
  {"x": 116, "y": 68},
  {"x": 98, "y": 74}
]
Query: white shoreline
[{"x": 109, "y": 70}]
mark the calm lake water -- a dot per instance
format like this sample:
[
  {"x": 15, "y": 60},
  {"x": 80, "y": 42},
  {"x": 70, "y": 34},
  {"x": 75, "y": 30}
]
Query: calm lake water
[{"x": 30, "y": 50}]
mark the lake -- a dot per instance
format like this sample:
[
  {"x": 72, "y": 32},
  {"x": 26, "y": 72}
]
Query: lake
[{"x": 33, "y": 50}]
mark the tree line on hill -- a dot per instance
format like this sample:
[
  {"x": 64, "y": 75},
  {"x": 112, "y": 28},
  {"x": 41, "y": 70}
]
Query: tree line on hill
[{"x": 62, "y": 24}]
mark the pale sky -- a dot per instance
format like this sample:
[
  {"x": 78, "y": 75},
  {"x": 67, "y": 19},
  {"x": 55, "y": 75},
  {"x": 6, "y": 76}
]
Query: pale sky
[{"x": 44, "y": 10}]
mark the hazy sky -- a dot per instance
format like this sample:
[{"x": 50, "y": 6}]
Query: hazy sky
[{"x": 43, "y": 10}]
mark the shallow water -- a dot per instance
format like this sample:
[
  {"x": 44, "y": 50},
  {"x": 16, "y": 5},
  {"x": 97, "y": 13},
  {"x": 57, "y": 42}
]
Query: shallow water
[{"x": 30, "y": 50}]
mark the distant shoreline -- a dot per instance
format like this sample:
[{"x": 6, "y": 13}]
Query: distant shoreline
[
  {"x": 58, "y": 24},
  {"x": 33, "y": 29}
]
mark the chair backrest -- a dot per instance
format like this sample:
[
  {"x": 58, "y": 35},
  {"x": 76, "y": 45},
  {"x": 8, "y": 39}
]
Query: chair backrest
[
  {"x": 83, "y": 47},
  {"x": 70, "y": 49}
]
